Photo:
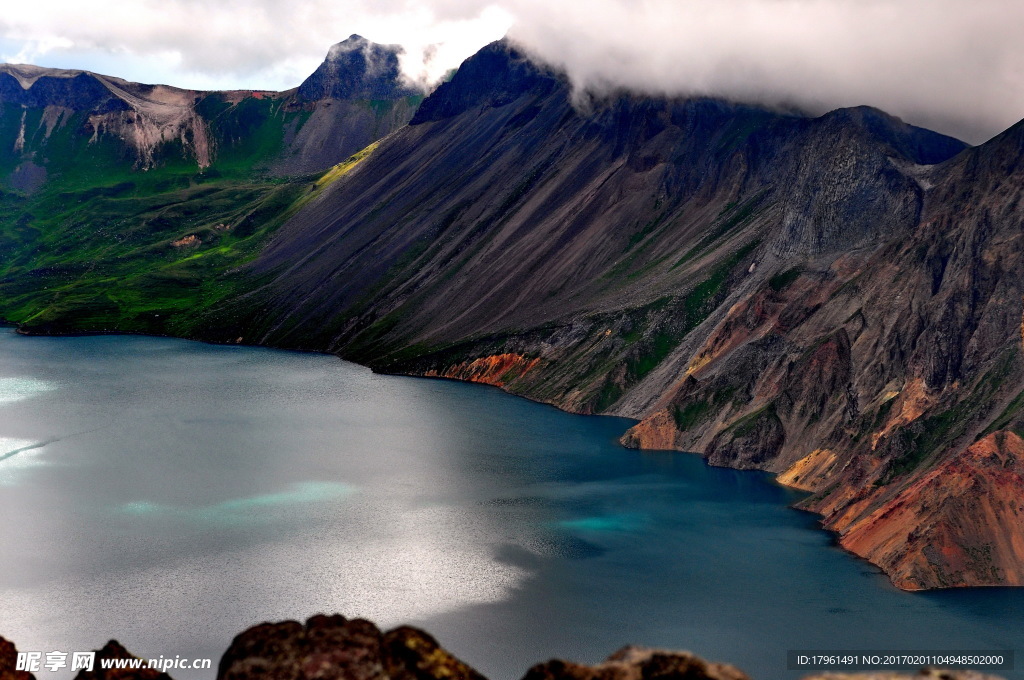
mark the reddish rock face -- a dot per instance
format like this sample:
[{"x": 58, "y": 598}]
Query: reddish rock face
[
  {"x": 499, "y": 369},
  {"x": 657, "y": 431},
  {"x": 960, "y": 524},
  {"x": 808, "y": 473}
]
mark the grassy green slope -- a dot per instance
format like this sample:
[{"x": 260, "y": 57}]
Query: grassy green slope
[{"x": 104, "y": 247}]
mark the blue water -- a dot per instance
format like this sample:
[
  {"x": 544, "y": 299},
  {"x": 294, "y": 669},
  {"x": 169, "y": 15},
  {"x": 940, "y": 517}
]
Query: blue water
[{"x": 171, "y": 494}]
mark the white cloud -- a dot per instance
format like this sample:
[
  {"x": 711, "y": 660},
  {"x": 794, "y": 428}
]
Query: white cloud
[
  {"x": 949, "y": 64},
  {"x": 236, "y": 43}
]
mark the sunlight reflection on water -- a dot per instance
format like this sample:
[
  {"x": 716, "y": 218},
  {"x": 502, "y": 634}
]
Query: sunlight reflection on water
[{"x": 17, "y": 389}]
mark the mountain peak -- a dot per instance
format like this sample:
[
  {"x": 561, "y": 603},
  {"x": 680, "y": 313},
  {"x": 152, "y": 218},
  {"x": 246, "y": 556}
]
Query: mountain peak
[
  {"x": 918, "y": 144},
  {"x": 356, "y": 42},
  {"x": 496, "y": 75},
  {"x": 357, "y": 68}
]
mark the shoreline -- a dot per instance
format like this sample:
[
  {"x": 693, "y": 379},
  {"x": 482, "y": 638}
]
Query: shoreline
[{"x": 836, "y": 537}]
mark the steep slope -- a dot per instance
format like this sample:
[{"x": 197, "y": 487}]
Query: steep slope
[
  {"x": 636, "y": 192},
  {"x": 354, "y": 98},
  {"x": 59, "y": 121},
  {"x": 835, "y": 299}
]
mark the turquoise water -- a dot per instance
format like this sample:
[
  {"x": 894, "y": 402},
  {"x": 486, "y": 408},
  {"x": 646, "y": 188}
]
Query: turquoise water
[{"x": 170, "y": 494}]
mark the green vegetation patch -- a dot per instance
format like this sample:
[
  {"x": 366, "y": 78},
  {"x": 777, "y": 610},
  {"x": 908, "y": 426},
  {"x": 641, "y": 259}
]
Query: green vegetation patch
[
  {"x": 610, "y": 393},
  {"x": 872, "y": 423},
  {"x": 697, "y": 411},
  {"x": 784, "y": 280},
  {"x": 1004, "y": 420},
  {"x": 748, "y": 423},
  {"x": 691, "y": 414},
  {"x": 147, "y": 254}
]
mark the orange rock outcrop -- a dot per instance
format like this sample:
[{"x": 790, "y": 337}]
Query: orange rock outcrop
[
  {"x": 961, "y": 524},
  {"x": 498, "y": 369}
]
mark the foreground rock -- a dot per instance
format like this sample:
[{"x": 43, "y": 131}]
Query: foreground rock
[
  {"x": 637, "y": 663},
  {"x": 115, "y": 650},
  {"x": 925, "y": 674},
  {"x": 8, "y": 662},
  {"x": 336, "y": 648}
]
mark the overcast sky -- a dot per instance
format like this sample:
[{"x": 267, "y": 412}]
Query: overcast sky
[{"x": 953, "y": 65}]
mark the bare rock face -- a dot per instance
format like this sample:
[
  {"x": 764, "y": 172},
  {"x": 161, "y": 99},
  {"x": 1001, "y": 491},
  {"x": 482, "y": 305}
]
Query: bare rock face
[
  {"x": 147, "y": 119},
  {"x": 638, "y": 663},
  {"x": 355, "y": 97},
  {"x": 498, "y": 370},
  {"x": 336, "y": 648},
  {"x": 961, "y": 523},
  {"x": 357, "y": 69},
  {"x": 9, "y": 661}
]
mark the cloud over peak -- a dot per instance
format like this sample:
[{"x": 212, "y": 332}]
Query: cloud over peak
[
  {"x": 947, "y": 64},
  {"x": 951, "y": 65}
]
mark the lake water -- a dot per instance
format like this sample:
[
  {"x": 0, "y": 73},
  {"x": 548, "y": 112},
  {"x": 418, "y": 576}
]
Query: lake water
[{"x": 171, "y": 494}]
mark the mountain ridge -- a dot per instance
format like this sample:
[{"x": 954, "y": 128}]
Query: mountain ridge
[
  {"x": 724, "y": 273},
  {"x": 356, "y": 96}
]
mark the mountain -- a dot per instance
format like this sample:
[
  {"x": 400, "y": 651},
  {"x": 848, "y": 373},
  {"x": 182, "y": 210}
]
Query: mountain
[
  {"x": 835, "y": 299},
  {"x": 106, "y": 180},
  {"x": 519, "y": 211},
  {"x": 57, "y": 120},
  {"x": 354, "y": 98}
]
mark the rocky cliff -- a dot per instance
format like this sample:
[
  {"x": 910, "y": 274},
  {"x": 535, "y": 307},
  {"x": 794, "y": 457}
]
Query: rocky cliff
[{"x": 356, "y": 96}]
